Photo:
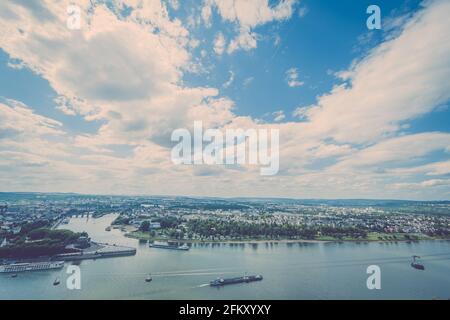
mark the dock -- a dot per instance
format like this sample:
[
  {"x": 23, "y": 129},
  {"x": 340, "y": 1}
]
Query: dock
[{"x": 97, "y": 251}]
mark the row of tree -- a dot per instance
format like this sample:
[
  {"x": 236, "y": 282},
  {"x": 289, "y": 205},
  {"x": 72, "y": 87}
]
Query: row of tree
[{"x": 235, "y": 229}]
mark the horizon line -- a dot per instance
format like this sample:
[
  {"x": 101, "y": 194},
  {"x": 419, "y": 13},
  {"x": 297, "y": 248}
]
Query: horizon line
[{"x": 219, "y": 197}]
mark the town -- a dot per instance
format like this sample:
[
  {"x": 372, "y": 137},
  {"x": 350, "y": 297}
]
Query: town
[{"x": 187, "y": 219}]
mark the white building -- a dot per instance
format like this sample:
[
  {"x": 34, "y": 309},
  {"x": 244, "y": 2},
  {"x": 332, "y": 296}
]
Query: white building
[
  {"x": 17, "y": 230},
  {"x": 3, "y": 243},
  {"x": 155, "y": 225}
]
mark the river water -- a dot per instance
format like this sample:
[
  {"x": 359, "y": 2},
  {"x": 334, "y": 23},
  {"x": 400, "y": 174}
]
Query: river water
[{"x": 291, "y": 271}]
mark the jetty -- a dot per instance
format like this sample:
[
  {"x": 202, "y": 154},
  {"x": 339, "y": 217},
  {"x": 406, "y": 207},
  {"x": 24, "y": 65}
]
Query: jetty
[{"x": 96, "y": 251}]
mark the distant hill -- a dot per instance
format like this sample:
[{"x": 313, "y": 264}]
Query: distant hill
[{"x": 231, "y": 203}]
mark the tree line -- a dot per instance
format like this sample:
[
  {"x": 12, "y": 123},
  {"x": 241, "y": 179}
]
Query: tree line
[{"x": 235, "y": 229}]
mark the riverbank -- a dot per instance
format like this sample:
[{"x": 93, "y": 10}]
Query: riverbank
[
  {"x": 372, "y": 237},
  {"x": 95, "y": 251},
  {"x": 186, "y": 275}
]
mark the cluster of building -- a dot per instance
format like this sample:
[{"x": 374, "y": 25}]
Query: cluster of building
[{"x": 421, "y": 218}]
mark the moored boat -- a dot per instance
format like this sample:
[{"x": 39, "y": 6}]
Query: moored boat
[
  {"x": 31, "y": 266},
  {"x": 184, "y": 247}
]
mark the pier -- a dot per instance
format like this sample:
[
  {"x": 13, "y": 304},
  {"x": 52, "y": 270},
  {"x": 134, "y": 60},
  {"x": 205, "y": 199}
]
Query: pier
[{"x": 97, "y": 251}]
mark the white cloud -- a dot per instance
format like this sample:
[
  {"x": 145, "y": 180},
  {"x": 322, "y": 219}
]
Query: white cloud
[
  {"x": 248, "y": 81},
  {"x": 401, "y": 79},
  {"x": 206, "y": 13},
  {"x": 83, "y": 65},
  {"x": 246, "y": 40},
  {"x": 302, "y": 11},
  {"x": 431, "y": 169},
  {"x": 301, "y": 112},
  {"x": 292, "y": 78},
  {"x": 219, "y": 43},
  {"x": 194, "y": 43},
  {"x": 397, "y": 151},
  {"x": 229, "y": 81},
  {"x": 427, "y": 184},
  {"x": 127, "y": 72},
  {"x": 174, "y": 4},
  {"x": 248, "y": 15},
  {"x": 252, "y": 13},
  {"x": 279, "y": 116},
  {"x": 16, "y": 119}
]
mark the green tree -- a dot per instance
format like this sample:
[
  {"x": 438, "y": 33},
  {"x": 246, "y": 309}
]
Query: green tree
[{"x": 145, "y": 226}]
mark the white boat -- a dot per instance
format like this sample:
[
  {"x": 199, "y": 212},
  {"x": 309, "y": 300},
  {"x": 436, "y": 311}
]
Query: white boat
[
  {"x": 31, "y": 266},
  {"x": 184, "y": 247}
]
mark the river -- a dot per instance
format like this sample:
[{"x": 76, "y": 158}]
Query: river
[{"x": 290, "y": 270}]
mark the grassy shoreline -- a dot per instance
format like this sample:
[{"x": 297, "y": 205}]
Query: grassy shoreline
[{"x": 372, "y": 237}]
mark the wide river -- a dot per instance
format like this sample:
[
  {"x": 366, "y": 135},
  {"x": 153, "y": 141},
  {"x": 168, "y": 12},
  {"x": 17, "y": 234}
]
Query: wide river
[{"x": 291, "y": 271}]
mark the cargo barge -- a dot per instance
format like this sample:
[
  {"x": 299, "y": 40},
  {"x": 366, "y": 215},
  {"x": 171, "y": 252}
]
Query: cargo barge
[{"x": 245, "y": 279}]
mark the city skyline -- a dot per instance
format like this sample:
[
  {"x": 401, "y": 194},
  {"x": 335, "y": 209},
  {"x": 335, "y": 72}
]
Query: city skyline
[{"x": 362, "y": 114}]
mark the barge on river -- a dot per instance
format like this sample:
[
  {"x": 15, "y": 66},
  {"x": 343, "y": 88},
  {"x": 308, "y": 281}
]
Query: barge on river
[{"x": 245, "y": 279}]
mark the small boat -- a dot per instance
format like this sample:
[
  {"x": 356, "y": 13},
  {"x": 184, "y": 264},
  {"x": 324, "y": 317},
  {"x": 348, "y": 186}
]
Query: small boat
[
  {"x": 108, "y": 229},
  {"x": 56, "y": 282},
  {"x": 417, "y": 265},
  {"x": 149, "y": 278},
  {"x": 184, "y": 247},
  {"x": 14, "y": 275}
]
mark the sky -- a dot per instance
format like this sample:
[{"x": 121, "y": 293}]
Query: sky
[{"x": 361, "y": 113}]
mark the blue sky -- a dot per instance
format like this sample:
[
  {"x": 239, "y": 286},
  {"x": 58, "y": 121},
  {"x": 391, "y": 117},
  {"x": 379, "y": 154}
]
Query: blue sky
[{"x": 361, "y": 114}]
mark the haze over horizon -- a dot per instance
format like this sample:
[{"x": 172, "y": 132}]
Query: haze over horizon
[{"x": 213, "y": 197}]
